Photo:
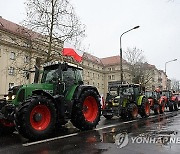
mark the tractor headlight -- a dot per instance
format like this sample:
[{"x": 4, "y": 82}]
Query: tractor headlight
[
  {"x": 7, "y": 98},
  {"x": 13, "y": 97},
  {"x": 10, "y": 97}
]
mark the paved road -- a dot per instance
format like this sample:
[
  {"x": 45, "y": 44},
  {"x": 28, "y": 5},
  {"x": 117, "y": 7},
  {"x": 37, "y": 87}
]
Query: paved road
[{"x": 150, "y": 135}]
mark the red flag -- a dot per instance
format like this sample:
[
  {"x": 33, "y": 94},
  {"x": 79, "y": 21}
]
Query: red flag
[{"x": 69, "y": 50}]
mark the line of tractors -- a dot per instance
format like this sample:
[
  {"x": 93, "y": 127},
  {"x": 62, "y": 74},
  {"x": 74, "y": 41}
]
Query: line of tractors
[
  {"x": 37, "y": 110},
  {"x": 130, "y": 100}
]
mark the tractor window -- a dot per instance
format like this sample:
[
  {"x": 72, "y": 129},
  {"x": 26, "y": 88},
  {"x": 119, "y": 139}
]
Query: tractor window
[
  {"x": 127, "y": 90},
  {"x": 136, "y": 91},
  {"x": 113, "y": 91},
  {"x": 69, "y": 75},
  {"x": 50, "y": 75},
  {"x": 79, "y": 75}
]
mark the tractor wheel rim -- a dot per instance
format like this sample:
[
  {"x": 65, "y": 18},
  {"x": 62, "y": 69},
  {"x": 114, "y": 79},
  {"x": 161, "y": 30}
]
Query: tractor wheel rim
[
  {"x": 147, "y": 108},
  {"x": 43, "y": 122},
  {"x": 90, "y": 109}
]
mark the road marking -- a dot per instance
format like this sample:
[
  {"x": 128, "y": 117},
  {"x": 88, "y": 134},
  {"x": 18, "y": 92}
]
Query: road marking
[
  {"x": 114, "y": 125},
  {"x": 74, "y": 134},
  {"x": 48, "y": 140}
]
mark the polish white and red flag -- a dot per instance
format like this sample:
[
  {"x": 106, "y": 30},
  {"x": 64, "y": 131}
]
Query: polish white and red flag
[{"x": 70, "y": 50}]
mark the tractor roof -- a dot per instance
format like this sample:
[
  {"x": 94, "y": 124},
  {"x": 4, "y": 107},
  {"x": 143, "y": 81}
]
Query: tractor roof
[
  {"x": 57, "y": 63},
  {"x": 124, "y": 85}
]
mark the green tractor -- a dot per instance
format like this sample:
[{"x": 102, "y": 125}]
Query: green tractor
[
  {"x": 126, "y": 101},
  {"x": 36, "y": 110}
]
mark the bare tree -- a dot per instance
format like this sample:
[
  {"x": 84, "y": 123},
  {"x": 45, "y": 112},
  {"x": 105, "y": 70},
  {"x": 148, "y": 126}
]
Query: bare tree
[
  {"x": 139, "y": 70},
  {"x": 175, "y": 85},
  {"x": 56, "y": 21}
]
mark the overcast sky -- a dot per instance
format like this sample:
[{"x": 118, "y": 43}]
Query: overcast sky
[{"x": 105, "y": 20}]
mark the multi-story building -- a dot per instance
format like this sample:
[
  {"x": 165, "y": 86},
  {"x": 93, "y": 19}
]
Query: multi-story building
[{"x": 21, "y": 48}]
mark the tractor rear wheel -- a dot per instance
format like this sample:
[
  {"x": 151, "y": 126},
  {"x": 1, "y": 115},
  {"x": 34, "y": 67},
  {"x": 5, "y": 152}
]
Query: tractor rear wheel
[
  {"x": 156, "y": 109},
  {"x": 171, "y": 106},
  {"x": 175, "y": 106},
  {"x": 86, "y": 111},
  {"x": 36, "y": 118},
  {"x": 144, "y": 108},
  {"x": 132, "y": 111}
]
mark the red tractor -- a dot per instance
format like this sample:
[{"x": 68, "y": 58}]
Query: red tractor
[
  {"x": 171, "y": 100},
  {"x": 157, "y": 103}
]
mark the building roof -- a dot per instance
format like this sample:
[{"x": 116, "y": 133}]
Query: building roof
[
  {"x": 94, "y": 59},
  {"x": 17, "y": 29},
  {"x": 108, "y": 61},
  {"x": 114, "y": 60}
]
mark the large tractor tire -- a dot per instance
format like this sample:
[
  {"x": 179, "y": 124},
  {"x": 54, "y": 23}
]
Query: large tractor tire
[
  {"x": 175, "y": 106},
  {"x": 144, "y": 110},
  {"x": 162, "y": 107},
  {"x": 6, "y": 127},
  {"x": 171, "y": 106},
  {"x": 36, "y": 118},
  {"x": 132, "y": 111},
  {"x": 86, "y": 110},
  {"x": 108, "y": 117},
  {"x": 156, "y": 109}
]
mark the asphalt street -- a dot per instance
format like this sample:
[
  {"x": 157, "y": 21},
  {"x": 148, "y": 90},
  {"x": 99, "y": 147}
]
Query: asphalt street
[{"x": 156, "y": 134}]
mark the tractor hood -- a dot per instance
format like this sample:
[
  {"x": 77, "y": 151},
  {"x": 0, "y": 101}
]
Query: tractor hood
[{"x": 25, "y": 91}]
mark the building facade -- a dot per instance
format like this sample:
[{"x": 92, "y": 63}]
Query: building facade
[{"x": 20, "y": 50}]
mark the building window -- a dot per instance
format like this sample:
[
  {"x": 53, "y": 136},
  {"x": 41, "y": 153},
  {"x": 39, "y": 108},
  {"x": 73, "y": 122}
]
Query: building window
[
  {"x": 12, "y": 56},
  {"x": 93, "y": 84},
  {"x": 11, "y": 85},
  {"x": 11, "y": 70},
  {"x": 109, "y": 77},
  {"x": 88, "y": 74},
  {"x": 109, "y": 69},
  {"x": 26, "y": 59},
  {"x": 113, "y": 77},
  {"x": 93, "y": 75},
  {"x": 102, "y": 86},
  {"x": 98, "y": 76}
]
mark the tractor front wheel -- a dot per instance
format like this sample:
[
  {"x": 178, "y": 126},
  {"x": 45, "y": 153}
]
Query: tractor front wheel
[
  {"x": 6, "y": 127},
  {"x": 162, "y": 107},
  {"x": 156, "y": 109},
  {"x": 132, "y": 111},
  {"x": 86, "y": 111},
  {"x": 36, "y": 118}
]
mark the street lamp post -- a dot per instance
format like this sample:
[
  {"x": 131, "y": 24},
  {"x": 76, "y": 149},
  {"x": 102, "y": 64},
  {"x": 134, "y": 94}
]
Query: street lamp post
[
  {"x": 165, "y": 69},
  {"x": 169, "y": 62},
  {"x": 121, "y": 68}
]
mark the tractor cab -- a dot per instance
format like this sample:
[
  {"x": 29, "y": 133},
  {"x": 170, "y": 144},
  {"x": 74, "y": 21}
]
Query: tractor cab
[{"x": 63, "y": 76}]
